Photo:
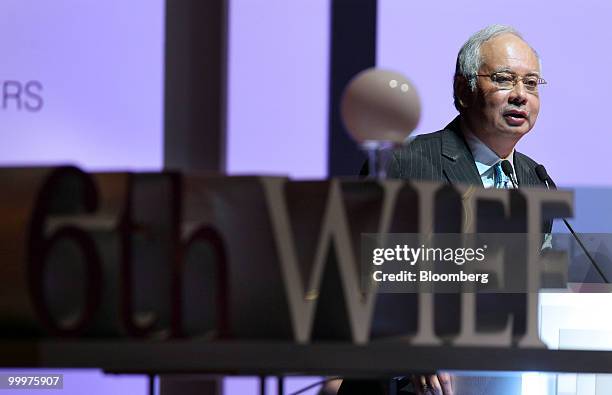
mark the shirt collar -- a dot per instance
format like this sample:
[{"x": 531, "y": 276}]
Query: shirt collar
[{"x": 484, "y": 156}]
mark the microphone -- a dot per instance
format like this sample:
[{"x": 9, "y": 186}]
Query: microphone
[
  {"x": 545, "y": 178},
  {"x": 507, "y": 169}
]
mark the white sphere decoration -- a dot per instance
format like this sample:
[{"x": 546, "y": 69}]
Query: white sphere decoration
[{"x": 380, "y": 105}]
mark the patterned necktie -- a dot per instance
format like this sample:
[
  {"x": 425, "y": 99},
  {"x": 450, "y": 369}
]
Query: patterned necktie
[{"x": 501, "y": 180}]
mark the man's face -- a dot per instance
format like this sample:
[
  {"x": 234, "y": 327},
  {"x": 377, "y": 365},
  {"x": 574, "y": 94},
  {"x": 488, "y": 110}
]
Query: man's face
[{"x": 507, "y": 113}]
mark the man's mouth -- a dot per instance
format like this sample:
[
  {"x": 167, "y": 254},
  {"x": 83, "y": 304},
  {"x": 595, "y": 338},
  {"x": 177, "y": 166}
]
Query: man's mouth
[{"x": 515, "y": 117}]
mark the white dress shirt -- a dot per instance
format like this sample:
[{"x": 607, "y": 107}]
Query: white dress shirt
[{"x": 486, "y": 159}]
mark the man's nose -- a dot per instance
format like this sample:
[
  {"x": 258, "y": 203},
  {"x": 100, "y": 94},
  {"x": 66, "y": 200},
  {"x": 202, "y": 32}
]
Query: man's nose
[{"x": 518, "y": 94}]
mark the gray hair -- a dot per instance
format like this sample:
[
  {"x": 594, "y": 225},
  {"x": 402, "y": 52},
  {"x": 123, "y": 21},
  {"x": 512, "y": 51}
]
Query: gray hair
[{"x": 469, "y": 59}]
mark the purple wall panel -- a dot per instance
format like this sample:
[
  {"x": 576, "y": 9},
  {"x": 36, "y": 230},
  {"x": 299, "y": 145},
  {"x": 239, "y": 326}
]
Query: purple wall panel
[
  {"x": 248, "y": 385},
  {"x": 82, "y": 82},
  {"x": 572, "y": 136},
  {"x": 86, "y": 381},
  {"x": 278, "y": 83}
]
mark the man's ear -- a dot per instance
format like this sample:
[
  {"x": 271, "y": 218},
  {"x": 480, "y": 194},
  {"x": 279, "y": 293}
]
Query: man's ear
[{"x": 463, "y": 91}]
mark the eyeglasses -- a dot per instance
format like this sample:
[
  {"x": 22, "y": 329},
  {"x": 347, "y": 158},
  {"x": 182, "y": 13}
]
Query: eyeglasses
[{"x": 505, "y": 80}]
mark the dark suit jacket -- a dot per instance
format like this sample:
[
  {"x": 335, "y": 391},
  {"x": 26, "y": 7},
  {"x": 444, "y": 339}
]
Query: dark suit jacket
[{"x": 445, "y": 156}]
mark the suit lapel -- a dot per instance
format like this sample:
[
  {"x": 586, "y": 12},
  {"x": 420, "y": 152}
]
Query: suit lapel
[
  {"x": 524, "y": 174},
  {"x": 458, "y": 164}
]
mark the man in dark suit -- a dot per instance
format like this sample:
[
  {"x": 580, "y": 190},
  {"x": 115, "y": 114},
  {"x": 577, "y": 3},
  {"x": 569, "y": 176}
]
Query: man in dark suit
[
  {"x": 446, "y": 156},
  {"x": 496, "y": 91}
]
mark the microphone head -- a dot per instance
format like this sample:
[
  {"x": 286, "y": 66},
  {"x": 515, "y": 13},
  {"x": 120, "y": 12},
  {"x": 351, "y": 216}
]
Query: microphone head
[
  {"x": 544, "y": 177},
  {"x": 541, "y": 173},
  {"x": 507, "y": 168}
]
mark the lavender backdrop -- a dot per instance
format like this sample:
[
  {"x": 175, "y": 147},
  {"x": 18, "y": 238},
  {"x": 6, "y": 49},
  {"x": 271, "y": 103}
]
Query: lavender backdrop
[
  {"x": 97, "y": 70},
  {"x": 278, "y": 82}
]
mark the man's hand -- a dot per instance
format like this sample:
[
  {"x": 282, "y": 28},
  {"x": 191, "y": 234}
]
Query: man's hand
[{"x": 435, "y": 384}]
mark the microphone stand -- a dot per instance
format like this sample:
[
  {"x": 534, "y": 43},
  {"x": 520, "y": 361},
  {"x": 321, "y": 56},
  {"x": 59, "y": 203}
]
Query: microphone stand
[{"x": 543, "y": 176}]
